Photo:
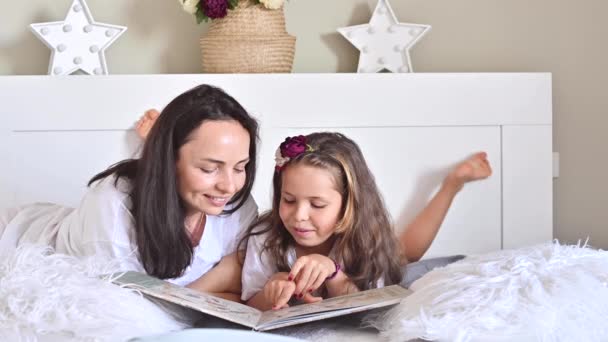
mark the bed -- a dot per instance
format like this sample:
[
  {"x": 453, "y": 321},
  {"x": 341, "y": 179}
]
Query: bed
[{"x": 56, "y": 132}]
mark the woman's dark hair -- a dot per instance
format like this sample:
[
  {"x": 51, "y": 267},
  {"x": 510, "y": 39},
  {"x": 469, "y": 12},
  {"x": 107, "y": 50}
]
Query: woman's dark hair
[{"x": 164, "y": 246}]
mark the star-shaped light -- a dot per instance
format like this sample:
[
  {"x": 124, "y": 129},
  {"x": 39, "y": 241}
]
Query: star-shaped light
[
  {"x": 78, "y": 42},
  {"x": 384, "y": 43}
]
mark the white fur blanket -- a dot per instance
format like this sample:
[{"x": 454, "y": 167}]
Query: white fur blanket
[
  {"x": 53, "y": 297},
  {"x": 548, "y": 292}
]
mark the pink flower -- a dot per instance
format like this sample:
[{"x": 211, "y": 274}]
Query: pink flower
[
  {"x": 215, "y": 8},
  {"x": 293, "y": 146},
  {"x": 289, "y": 149}
]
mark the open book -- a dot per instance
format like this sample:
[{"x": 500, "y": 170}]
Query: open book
[{"x": 256, "y": 319}]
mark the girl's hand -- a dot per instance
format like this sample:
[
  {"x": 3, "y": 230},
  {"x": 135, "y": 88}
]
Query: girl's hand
[
  {"x": 309, "y": 272},
  {"x": 474, "y": 168},
  {"x": 278, "y": 290},
  {"x": 145, "y": 123}
]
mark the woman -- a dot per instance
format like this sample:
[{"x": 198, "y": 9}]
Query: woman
[{"x": 177, "y": 212}]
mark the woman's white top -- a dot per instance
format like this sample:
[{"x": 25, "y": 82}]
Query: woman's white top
[{"x": 102, "y": 225}]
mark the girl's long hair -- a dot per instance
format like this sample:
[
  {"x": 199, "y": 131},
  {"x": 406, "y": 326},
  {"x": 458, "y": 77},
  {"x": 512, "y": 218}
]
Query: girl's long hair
[{"x": 365, "y": 243}]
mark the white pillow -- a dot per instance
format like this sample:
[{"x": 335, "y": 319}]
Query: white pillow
[{"x": 548, "y": 292}]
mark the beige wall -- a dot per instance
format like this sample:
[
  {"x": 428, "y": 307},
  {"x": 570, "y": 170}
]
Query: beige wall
[{"x": 565, "y": 37}]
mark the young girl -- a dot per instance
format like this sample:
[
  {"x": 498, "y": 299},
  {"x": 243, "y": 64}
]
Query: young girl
[{"x": 328, "y": 232}]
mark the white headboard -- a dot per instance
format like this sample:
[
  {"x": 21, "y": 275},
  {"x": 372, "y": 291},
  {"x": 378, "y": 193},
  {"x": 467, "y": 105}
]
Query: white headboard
[{"x": 57, "y": 132}]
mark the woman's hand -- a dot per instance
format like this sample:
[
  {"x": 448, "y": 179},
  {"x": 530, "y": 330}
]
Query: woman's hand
[
  {"x": 145, "y": 123},
  {"x": 310, "y": 272}
]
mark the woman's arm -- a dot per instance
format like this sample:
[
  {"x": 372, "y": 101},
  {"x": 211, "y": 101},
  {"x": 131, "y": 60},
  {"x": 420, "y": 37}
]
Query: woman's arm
[
  {"x": 223, "y": 280},
  {"x": 420, "y": 233}
]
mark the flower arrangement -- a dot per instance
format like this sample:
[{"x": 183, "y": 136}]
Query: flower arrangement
[{"x": 204, "y": 10}]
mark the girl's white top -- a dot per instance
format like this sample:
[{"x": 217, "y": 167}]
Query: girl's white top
[{"x": 259, "y": 267}]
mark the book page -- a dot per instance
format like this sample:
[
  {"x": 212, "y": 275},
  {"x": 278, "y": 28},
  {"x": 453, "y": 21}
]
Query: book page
[
  {"x": 332, "y": 307},
  {"x": 203, "y": 302}
]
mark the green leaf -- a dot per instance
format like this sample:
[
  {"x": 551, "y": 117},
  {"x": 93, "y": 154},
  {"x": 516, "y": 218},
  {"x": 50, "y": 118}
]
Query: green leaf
[
  {"x": 201, "y": 16},
  {"x": 232, "y": 4}
]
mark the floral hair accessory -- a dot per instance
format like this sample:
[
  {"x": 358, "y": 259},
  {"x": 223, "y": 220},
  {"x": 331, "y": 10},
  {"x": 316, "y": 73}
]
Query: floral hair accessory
[{"x": 289, "y": 149}]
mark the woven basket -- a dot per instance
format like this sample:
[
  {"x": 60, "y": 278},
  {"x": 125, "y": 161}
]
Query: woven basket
[{"x": 250, "y": 39}]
